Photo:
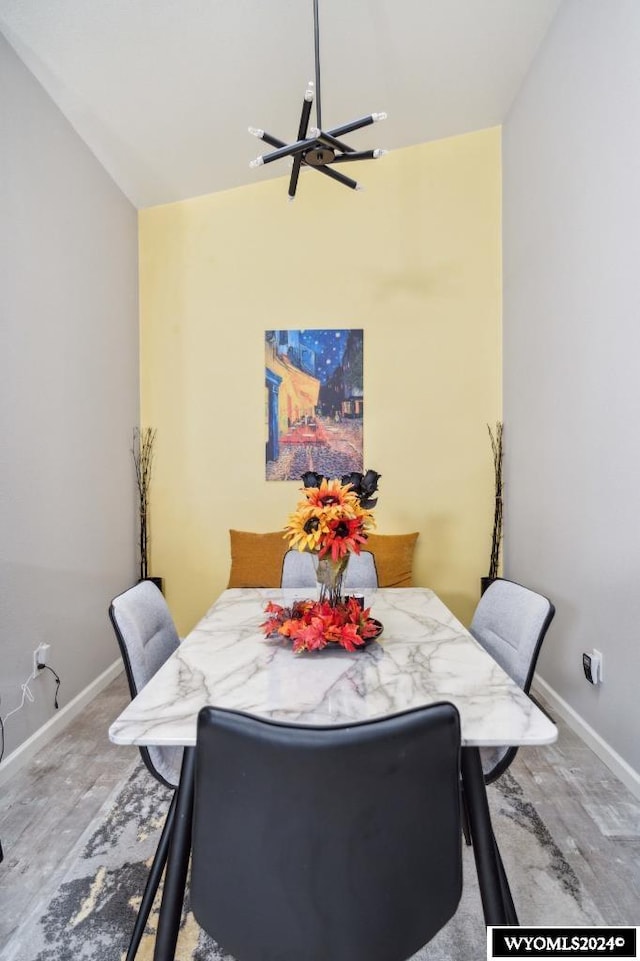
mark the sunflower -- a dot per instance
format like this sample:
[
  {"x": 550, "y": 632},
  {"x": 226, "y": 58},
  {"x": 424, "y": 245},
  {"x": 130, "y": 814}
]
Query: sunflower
[
  {"x": 306, "y": 528},
  {"x": 344, "y": 536},
  {"x": 333, "y": 499}
]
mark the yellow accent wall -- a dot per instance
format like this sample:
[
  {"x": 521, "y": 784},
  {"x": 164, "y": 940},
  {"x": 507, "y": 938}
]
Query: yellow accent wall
[{"x": 415, "y": 260}]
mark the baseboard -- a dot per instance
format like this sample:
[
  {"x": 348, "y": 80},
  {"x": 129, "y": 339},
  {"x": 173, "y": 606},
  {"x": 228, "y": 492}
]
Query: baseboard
[
  {"x": 51, "y": 728},
  {"x": 628, "y": 775}
]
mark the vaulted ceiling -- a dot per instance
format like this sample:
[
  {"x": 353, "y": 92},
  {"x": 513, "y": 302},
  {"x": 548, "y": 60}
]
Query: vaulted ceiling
[{"x": 163, "y": 91}]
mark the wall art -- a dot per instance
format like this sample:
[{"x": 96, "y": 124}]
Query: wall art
[{"x": 314, "y": 402}]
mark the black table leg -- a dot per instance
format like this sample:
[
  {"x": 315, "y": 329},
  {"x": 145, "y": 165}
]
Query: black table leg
[
  {"x": 177, "y": 863},
  {"x": 497, "y": 902}
]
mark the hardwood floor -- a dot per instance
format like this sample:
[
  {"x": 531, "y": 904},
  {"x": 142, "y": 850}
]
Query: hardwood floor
[
  {"x": 593, "y": 818},
  {"x": 46, "y": 807}
]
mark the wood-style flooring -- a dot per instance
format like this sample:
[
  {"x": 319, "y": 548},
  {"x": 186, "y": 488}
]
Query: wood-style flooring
[
  {"x": 46, "y": 807},
  {"x": 593, "y": 818}
]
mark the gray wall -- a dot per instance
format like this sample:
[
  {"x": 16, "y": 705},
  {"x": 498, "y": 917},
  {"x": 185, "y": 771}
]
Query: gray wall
[
  {"x": 68, "y": 399},
  {"x": 572, "y": 354}
]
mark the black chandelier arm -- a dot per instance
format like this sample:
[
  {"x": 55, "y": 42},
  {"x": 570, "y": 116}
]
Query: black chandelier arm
[
  {"x": 356, "y": 124},
  {"x": 347, "y": 181},
  {"x": 272, "y": 141},
  {"x": 304, "y": 119},
  {"x": 357, "y": 155},
  {"x": 287, "y": 151},
  {"x": 302, "y": 133},
  {"x": 295, "y": 173},
  {"x": 330, "y": 141}
]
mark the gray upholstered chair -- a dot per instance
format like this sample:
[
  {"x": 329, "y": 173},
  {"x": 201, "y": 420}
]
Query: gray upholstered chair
[
  {"x": 326, "y": 843},
  {"x": 299, "y": 570},
  {"x": 510, "y": 622},
  {"x": 147, "y": 637}
]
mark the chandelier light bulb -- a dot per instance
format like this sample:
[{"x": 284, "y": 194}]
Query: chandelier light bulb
[
  {"x": 379, "y": 152},
  {"x": 379, "y": 116},
  {"x": 308, "y": 94},
  {"x": 256, "y": 163},
  {"x": 256, "y": 132}
]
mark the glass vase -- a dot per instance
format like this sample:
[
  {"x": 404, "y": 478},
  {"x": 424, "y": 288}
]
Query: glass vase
[{"x": 330, "y": 575}]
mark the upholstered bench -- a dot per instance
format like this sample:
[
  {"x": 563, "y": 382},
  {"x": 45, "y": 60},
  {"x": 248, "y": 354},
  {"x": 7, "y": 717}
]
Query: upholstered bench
[{"x": 257, "y": 559}]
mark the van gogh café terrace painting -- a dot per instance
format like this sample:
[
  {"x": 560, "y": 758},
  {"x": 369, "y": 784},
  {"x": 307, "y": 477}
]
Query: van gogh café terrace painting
[{"x": 314, "y": 402}]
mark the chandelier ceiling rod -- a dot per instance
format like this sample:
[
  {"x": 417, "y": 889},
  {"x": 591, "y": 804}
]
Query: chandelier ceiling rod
[
  {"x": 316, "y": 36},
  {"x": 316, "y": 147}
]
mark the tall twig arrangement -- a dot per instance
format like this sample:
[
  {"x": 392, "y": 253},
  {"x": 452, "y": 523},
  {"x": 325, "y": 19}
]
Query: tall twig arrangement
[
  {"x": 142, "y": 451},
  {"x": 496, "y": 536}
]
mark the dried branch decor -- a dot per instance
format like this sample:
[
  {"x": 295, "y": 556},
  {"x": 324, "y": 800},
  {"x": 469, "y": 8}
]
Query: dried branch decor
[
  {"x": 496, "y": 536},
  {"x": 142, "y": 451}
]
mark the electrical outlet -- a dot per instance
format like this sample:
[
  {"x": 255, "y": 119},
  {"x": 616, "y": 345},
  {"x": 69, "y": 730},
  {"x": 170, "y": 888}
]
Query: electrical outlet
[
  {"x": 599, "y": 658},
  {"x": 40, "y": 656},
  {"x": 592, "y": 666}
]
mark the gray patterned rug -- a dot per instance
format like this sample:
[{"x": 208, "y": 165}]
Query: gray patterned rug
[{"x": 91, "y": 915}]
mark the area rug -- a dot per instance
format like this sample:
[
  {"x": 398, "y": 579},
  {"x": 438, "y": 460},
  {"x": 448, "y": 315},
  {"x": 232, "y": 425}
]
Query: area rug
[{"x": 91, "y": 915}]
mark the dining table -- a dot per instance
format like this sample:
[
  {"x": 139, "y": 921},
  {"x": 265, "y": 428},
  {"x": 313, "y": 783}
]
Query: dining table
[{"x": 423, "y": 656}]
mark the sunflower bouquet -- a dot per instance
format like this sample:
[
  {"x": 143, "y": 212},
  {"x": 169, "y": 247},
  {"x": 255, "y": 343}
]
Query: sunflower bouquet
[
  {"x": 331, "y": 521},
  {"x": 333, "y": 518}
]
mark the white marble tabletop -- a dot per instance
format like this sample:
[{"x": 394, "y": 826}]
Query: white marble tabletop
[{"x": 424, "y": 655}]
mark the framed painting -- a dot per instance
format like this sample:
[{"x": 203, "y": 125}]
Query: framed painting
[{"x": 314, "y": 402}]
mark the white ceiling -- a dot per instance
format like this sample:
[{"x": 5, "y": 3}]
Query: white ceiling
[{"x": 163, "y": 91}]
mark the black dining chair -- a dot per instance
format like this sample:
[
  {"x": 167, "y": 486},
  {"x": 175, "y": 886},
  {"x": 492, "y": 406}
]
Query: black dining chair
[
  {"x": 147, "y": 637},
  {"x": 510, "y": 622},
  {"x": 326, "y": 844}
]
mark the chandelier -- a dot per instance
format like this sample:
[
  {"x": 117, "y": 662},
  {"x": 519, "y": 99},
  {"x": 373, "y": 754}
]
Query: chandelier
[{"x": 316, "y": 148}]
